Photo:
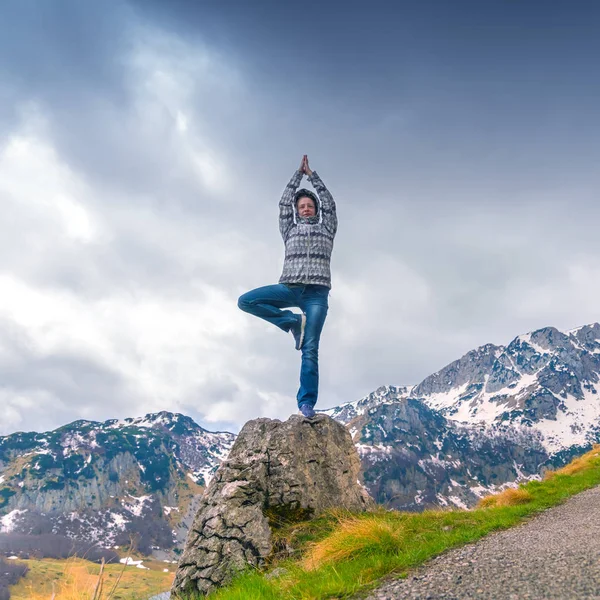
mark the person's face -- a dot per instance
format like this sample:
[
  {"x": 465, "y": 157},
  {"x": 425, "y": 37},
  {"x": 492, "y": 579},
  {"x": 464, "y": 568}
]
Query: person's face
[{"x": 306, "y": 207}]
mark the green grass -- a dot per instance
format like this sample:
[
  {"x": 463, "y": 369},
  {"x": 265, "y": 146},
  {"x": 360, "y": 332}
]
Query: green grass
[{"x": 340, "y": 554}]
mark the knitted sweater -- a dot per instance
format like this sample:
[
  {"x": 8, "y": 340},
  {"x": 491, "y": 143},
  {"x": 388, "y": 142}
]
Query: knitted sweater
[{"x": 308, "y": 240}]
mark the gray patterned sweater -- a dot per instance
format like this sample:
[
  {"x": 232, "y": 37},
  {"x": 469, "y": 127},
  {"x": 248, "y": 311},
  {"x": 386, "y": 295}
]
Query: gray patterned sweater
[{"x": 308, "y": 240}]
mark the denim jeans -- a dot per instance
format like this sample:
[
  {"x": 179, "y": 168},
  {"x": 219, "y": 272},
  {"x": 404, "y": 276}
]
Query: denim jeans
[{"x": 267, "y": 303}]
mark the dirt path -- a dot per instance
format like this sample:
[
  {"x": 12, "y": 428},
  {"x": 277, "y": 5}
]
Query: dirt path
[{"x": 555, "y": 555}]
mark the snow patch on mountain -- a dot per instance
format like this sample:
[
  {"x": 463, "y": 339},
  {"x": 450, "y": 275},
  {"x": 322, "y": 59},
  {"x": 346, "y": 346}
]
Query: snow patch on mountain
[
  {"x": 386, "y": 394},
  {"x": 136, "y": 505},
  {"x": 546, "y": 380},
  {"x": 9, "y": 522},
  {"x": 118, "y": 520},
  {"x": 572, "y": 425}
]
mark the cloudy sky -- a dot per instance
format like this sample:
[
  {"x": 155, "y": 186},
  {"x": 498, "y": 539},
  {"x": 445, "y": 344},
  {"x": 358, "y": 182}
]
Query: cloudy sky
[{"x": 144, "y": 146}]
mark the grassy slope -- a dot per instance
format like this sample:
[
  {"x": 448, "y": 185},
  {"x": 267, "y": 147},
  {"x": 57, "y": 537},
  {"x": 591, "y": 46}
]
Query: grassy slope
[
  {"x": 75, "y": 579},
  {"x": 342, "y": 554}
]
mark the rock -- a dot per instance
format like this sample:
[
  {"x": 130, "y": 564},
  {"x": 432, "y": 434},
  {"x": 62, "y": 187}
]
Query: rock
[
  {"x": 276, "y": 573},
  {"x": 276, "y": 472}
]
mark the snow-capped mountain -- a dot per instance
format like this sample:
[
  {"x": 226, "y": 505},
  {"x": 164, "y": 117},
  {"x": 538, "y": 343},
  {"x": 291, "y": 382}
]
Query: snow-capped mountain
[
  {"x": 546, "y": 380},
  {"x": 495, "y": 416},
  {"x": 414, "y": 457},
  {"x": 106, "y": 481},
  {"x": 386, "y": 394}
]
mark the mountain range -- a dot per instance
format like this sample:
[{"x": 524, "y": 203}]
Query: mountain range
[
  {"x": 108, "y": 481},
  {"x": 496, "y": 416}
]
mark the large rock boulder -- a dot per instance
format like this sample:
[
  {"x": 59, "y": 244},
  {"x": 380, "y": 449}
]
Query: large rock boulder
[{"x": 275, "y": 471}]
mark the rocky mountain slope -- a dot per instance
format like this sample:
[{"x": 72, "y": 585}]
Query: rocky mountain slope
[
  {"x": 414, "y": 457},
  {"x": 107, "y": 481},
  {"x": 546, "y": 380},
  {"x": 495, "y": 416}
]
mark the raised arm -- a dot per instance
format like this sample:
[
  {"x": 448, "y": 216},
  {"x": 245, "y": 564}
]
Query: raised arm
[
  {"x": 327, "y": 202},
  {"x": 286, "y": 204}
]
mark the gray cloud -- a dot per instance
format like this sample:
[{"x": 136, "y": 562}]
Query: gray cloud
[{"x": 140, "y": 170}]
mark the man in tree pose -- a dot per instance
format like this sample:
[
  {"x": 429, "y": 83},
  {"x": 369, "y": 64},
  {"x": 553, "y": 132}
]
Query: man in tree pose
[{"x": 308, "y": 224}]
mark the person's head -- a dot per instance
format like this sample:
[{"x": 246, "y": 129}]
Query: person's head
[
  {"x": 306, "y": 207},
  {"x": 306, "y": 203}
]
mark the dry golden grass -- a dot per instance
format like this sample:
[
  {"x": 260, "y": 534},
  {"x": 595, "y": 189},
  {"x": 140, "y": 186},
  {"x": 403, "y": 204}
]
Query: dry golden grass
[
  {"x": 509, "y": 497},
  {"x": 515, "y": 496},
  {"x": 581, "y": 463},
  {"x": 78, "y": 579},
  {"x": 353, "y": 535}
]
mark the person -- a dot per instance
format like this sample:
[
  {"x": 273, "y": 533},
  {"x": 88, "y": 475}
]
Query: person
[{"x": 308, "y": 224}]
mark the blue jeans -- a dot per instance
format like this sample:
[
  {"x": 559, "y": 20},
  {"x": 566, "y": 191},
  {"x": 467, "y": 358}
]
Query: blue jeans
[{"x": 267, "y": 303}]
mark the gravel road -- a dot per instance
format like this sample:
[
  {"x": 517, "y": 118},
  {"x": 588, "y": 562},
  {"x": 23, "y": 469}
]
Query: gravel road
[{"x": 554, "y": 555}]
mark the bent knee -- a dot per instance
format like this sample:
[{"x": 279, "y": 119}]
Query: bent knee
[{"x": 243, "y": 302}]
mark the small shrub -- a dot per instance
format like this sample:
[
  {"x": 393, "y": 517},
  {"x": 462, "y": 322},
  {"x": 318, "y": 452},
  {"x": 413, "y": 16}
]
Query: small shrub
[
  {"x": 509, "y": 497},
  {"x": 10, "y": 573},
  {"x": 5, "y": 494},
  {"x": 358, "y": 534},
  {"x": 579, "y": 464}
]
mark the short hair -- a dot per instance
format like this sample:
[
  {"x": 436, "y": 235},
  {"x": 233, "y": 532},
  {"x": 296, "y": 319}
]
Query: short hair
[{"x": 304, "y": 193}]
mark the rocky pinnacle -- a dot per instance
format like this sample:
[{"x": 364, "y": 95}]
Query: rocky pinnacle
[{"x": 276, "y": 470}]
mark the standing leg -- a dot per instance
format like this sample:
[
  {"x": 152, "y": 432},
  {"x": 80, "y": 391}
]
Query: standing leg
[
  {"x": 315, "y": 305},
  {"x": 266, "y": 302}
]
